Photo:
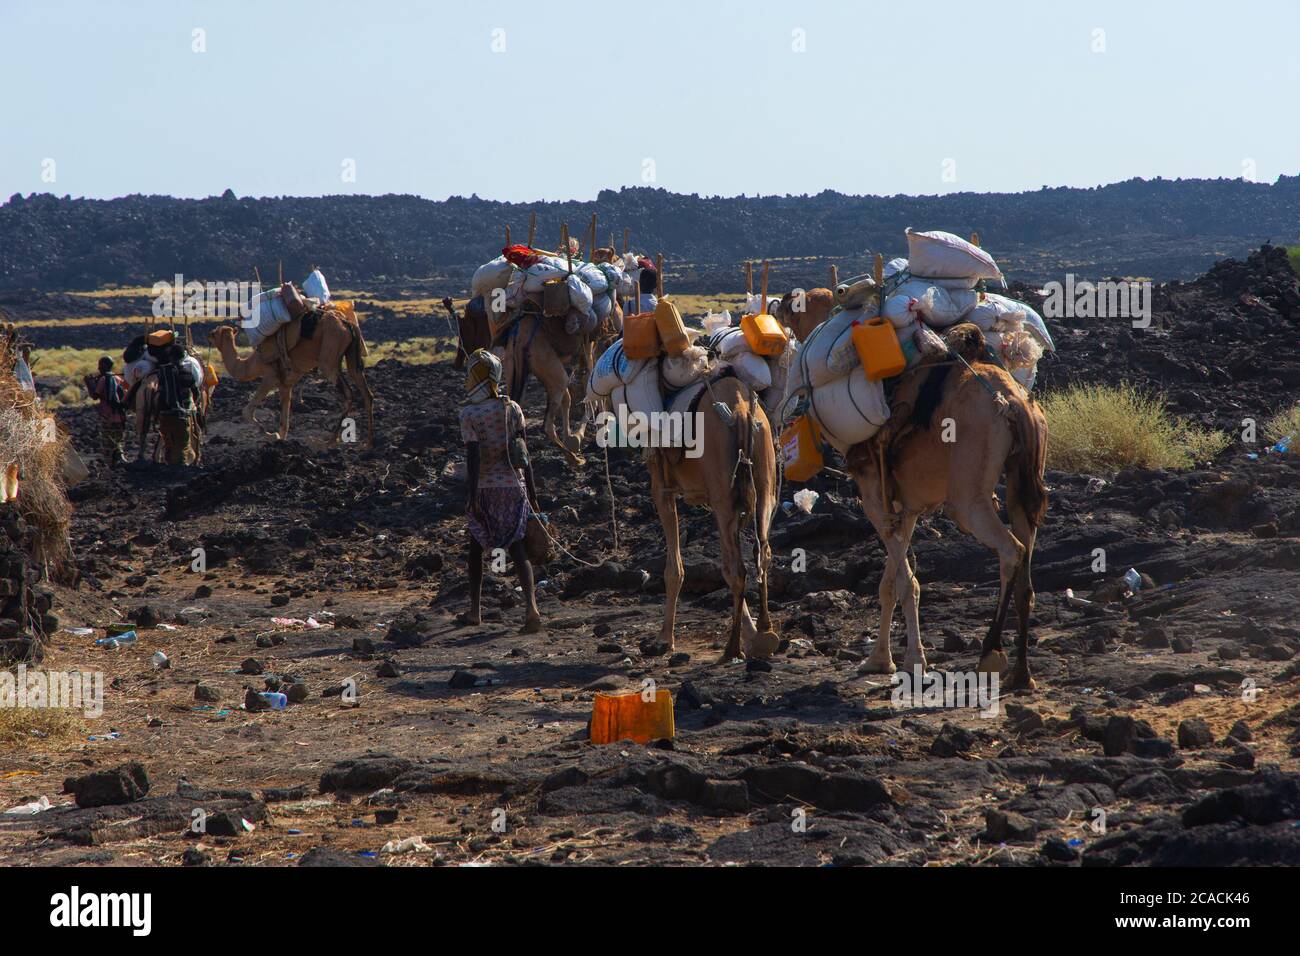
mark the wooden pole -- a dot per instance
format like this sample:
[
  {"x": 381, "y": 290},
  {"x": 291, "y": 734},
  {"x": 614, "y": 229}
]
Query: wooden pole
[
  {"x": 765, "y": 265},
  {"x": 835, "y": 276},
  {"x": 591, "y": 240},
  {"x": 532, "y": 228},
  {"x": 627, "y": 234},
  {"x": 659, "y": 269},
  {"x": 749, "y": 278},
  {"x": 507, "y": 235},
  {"x": 564, "y": 240}
]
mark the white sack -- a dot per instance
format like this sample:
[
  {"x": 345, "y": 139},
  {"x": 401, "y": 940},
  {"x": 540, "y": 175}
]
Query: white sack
[
  {"x": 315, "y": 286},
  {"x": 490, "y": 275},
  {"x": 943, "y": 255}
]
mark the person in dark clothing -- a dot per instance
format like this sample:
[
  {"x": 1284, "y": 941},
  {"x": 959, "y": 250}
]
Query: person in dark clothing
[
  {"x": 178, "y": 399},
  {"x": 110, "y": 391}
]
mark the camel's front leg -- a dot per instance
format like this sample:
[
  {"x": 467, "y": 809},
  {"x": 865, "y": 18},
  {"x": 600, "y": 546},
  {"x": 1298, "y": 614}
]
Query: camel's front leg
[
  {"x": 666, "y": 506},
  {"x": 908, "y": 590},
  {"x": 286, "y": 401}
]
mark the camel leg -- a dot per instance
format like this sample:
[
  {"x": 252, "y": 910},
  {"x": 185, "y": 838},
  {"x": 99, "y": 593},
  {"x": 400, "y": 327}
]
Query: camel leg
[
  {"x": 1026, "y": 532},
  {"x": 286, "y": 401},
  {"x": 265, "y": 388},
  {"x": 367, "y": 400},
  {"x": 733, "y": 571},
  {"x": 666, "y": 506},
  {"x": 880, "y": 660},
  {"x": 907, "y": 590},
  {"x": 978, "y": 517}
]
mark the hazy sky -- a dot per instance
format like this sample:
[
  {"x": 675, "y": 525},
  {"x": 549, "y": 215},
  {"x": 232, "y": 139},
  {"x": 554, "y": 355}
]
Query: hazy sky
[{"x": 523, "y": 100}]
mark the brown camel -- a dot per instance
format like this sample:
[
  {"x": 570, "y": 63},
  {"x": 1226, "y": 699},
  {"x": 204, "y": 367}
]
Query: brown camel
[
  {"x": 801, "y": 316},
  {"x": 735, "y": 476},
  {"x": 964, "y": 427},
  {"x": 332, "y": 341},
  {"x": 145, "y": 403},
  {"x": 538, "y": 345}
]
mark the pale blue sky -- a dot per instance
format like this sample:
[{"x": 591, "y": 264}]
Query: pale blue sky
[{"x": 585, "y": 93}]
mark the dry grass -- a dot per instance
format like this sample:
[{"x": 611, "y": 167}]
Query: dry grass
[
  {"x": 1284, "y": 424},
  {"x": 19, "y": 725},
  {"x": 1103, "y": 428}
]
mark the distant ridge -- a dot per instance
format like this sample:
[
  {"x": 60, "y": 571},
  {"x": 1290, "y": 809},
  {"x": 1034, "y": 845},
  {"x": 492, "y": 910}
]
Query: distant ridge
[{"x": 1158, "y": 228}]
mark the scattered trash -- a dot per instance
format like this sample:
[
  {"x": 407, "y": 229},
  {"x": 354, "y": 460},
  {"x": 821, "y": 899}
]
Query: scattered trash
[
  {"x": 160, "y": 660},
  {"x": 617, "y": 717},
  {"x": 1281, "y": 447},
  {"x": 79, "y": 631},
  {"x": 412, "y": 844},
  {"x": 1095, "y": 485},
  {"x": 167, "y": 627},
  {"x": 310, "y": 624},
  {"x": 1076, "y": 601},
  {"x": 275, "y": 700},
  {"x": 115, "y": 641},
  {"x": 31, "y": 809},
  {"x": 804, "y": 499},
  {"x": 1133, "y": 580},
  {"x": 787, "y": 507},
  {"x": 96, "y": 737}
]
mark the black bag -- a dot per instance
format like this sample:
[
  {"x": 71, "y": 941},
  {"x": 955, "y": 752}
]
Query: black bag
[
  {"x": 114, "y": 394},
  {"x": 174, "y": 384},
  {"x": 134, "y": 350}
]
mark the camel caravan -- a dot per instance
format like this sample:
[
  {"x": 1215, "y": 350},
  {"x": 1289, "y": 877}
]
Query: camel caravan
[
  {"x": 917, "y": 376},
  {"x": 168, "y": 385}
]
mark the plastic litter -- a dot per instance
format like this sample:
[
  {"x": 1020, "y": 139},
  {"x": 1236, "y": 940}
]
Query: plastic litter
[
  {"x": 117, "y": 640},
  {"x": 276, "y": 700},
  {"x": 1095, "y": 485},
  {"x": 30, "y": 809},
  {"x": 412, "y": 844},
  {"x": 1076, "y": 601},
  {"x": 161, "y": 660},
  {"x": 1133, "y": 579},
  {"x": 79, "y": 631},
  {"x": 804, "y": 500}
]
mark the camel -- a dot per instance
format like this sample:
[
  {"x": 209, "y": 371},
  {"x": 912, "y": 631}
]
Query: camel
[
  {"x": 802, "y": 318},
  {"x": 333, "y": 340},
  {"x": 536, "y": 344},
  {"x": 994, "y": 426},
  {"x": 735, "y": 476},
  {"x": 145, "y": 403}
]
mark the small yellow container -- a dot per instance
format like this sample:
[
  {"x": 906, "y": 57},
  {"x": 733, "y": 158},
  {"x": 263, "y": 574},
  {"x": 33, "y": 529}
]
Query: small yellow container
[
  {"x": 878, "y": 349},
  {"x": 210, "y": 377},
  {"x": 641, "y": 336},
  {"x": 764, "y": 334},
  {"x": 672, "y": 330},
  {"x": 801, "y": 447},
  {"x": 616, "y": 717}
]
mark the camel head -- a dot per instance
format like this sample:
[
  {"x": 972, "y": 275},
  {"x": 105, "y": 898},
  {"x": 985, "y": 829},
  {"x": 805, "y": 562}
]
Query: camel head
[
  {"x": 605, "y": 254},
  {"x": 802, "y": 314},
  {"x": 220, "y": 334}
]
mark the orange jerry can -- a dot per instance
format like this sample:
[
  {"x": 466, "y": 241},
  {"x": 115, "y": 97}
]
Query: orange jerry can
[
  {"x": 801, "y": 447},
  {"x": 877, "y": 345},
  {"x": 616, "y": 717},
  {"x": 641, "y": 336},
  {"x": 672, "y": 330},
  {"x": 764, "y": 334}
]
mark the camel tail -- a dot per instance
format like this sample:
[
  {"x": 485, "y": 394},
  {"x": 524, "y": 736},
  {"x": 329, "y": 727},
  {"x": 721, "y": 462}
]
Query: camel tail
[
  {"x": 1029, "y": 462},
  {"x": 356, "y": 351}
]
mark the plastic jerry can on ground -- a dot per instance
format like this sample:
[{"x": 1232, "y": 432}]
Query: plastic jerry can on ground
[
  {"x": 763, "y": 333},
  {"x": 877, "y": 346},
  {"x": 672, "y": 330},
  {"x": 801, "y": 447},
  {"x": 617, "y": 717},
  {"x": 641, "y": 336}
]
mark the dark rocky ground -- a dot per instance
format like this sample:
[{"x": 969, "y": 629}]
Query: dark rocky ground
[{"x": 1175, "y": 711}]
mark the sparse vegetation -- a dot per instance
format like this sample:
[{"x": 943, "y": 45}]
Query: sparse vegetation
[
  {"x": 1293, "y": 254},
  {"x": 23, "y": 725},
  {"x": 1103, "y": 428},
  {"x": 1284, "y": 424}
]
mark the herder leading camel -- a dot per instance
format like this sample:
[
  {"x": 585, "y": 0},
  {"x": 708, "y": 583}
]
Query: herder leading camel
[
  {"x": 992, "y": 426},
  {"x": 333, "y": 340},
  {"x": 735, "y": 476}
]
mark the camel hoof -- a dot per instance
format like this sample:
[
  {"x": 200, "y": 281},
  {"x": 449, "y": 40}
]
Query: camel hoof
[
  {"x": 915, "y": 665},
  {"x": 1019, "y": 680},
  {"x": 531, "y": 626},
  {"x": 764, "y": 645},
  {"x": 468, "y": 620},
  {"x": 994, "y": 662},
  {"x": 878, "y": 665}
]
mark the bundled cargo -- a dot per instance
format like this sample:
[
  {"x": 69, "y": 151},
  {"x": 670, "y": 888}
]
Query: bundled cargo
[
  {"x": 491, "y": 276},
  {"x": 951, "y": 259},
  {"x": 995, "y": 310},
  {"x": 272, "y": 309},
  {"x": 315, "y": 287}
]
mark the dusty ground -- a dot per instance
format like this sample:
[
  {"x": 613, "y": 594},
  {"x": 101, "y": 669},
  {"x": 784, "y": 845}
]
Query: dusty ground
[{"x": 803, "y": 763}]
